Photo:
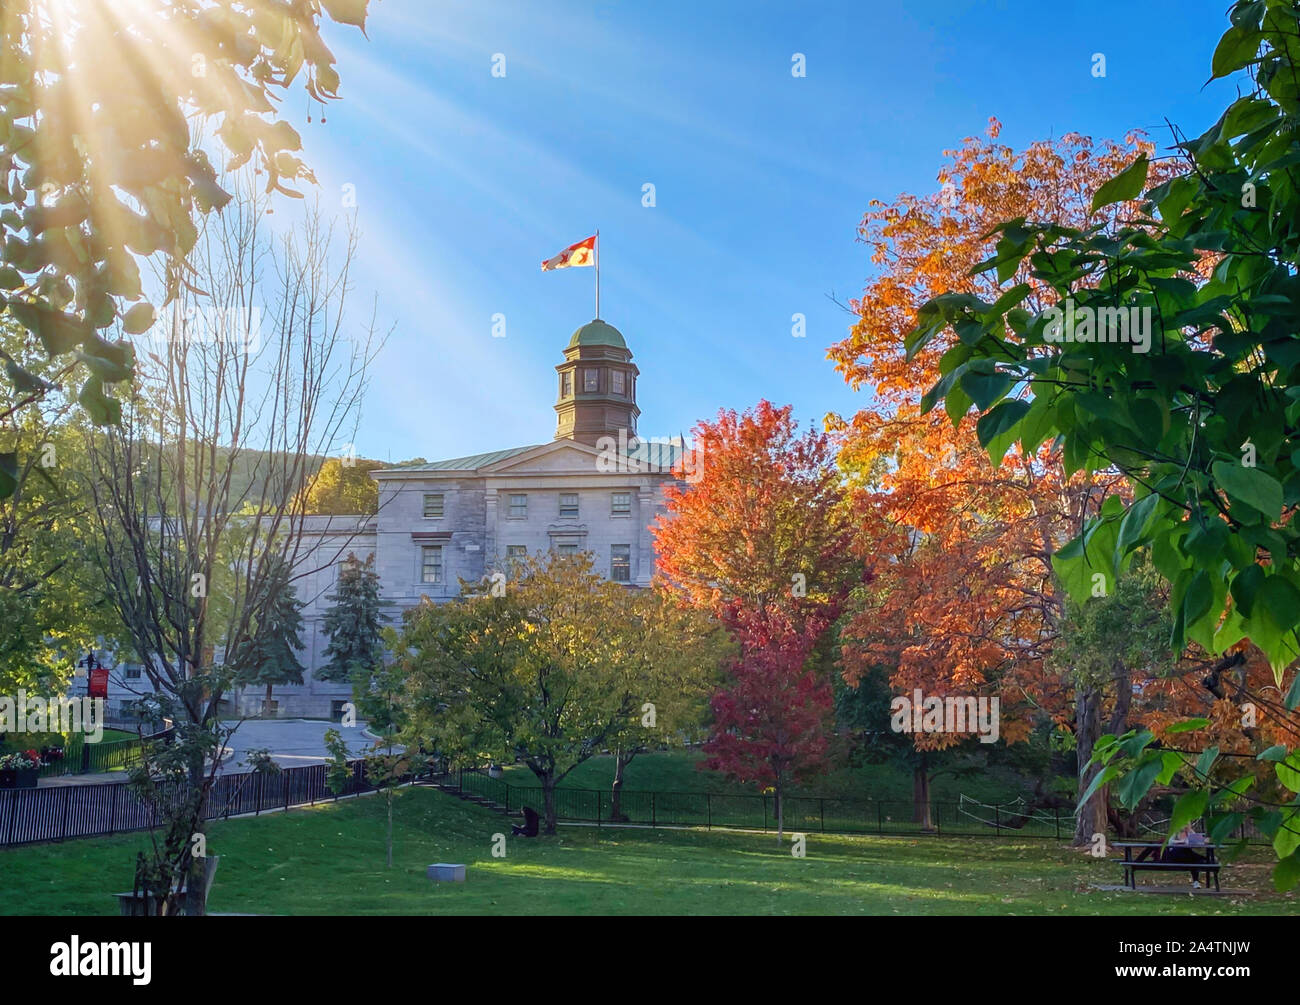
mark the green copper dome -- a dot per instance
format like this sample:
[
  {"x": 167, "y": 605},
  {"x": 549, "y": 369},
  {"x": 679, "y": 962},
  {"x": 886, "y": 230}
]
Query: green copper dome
[{"x": 598, "y": 333}]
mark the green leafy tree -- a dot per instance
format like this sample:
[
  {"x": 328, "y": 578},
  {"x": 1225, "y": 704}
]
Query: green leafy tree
[
  {"x": 52, "y": 599},
  {"x": 353, "y": 624},
  {"x": 538, "y": 671},
  {"x": 100, "y": 164},
  {"x": 271, "y": 655},
  {"x": 1195, "y": 401}
]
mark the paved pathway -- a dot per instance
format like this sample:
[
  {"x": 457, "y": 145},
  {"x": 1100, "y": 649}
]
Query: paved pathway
[{"x": 292, "y": 742}]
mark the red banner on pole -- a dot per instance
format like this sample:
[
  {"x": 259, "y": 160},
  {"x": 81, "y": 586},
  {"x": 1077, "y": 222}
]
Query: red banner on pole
[{"x": 99, "y": 683}]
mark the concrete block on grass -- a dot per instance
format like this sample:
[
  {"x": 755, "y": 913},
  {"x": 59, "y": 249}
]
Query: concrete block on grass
[{"x": 443, "y": 872}]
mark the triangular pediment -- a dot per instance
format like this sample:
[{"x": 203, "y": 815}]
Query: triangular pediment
[{"x": 548, "y": 458}]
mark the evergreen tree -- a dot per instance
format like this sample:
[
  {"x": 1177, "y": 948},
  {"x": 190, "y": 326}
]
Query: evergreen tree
[
  {"x": 352, "y": 625},
  {"x": 271, "y": 657}
]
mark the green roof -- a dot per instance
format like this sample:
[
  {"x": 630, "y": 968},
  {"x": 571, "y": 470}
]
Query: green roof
[
  {"x": 470, "y": 463},
  {"x": 598, "y": 333}
]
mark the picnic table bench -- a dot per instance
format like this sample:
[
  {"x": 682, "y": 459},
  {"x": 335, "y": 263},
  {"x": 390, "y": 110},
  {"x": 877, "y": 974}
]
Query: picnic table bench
[{"x": 1135, "y": 863}]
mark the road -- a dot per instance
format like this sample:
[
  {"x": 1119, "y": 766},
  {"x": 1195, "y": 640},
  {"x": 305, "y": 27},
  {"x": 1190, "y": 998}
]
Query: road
[{"x": 292, "y": 742}]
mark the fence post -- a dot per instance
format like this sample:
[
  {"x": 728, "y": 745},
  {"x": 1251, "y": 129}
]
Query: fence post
[
  {"x": 112, "y": 812},
  {"x": 708, "y": 808},
  {"x": 822, "y": 805},
  {"x": 286, "y": 789},
  {"x": 600, "y": 800},
  {"x": 257, "y": 807},
  {"x": 764, "y": 798},
  {"x": 997, "y": 822},
  {"x": 1056, "y": 814},
  {"x": 67, "y": 804},
  {"x": 653, "y": 820},
  {"x": 880, "y": 819}
]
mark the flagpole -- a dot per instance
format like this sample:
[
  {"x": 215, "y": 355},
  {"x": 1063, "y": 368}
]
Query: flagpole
[{"x": 597, "y": 250}]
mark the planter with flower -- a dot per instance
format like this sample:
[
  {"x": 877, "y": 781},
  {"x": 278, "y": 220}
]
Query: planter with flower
[{"x": 20, "y": 769}]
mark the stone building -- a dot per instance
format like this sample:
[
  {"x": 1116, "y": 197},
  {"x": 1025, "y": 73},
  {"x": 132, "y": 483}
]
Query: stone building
[{"x": 593, "y": 487}]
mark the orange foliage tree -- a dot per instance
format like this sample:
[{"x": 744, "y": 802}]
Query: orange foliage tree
[
  {"x": 763, "y": 539},
  {"x": 967, "y": 602}
]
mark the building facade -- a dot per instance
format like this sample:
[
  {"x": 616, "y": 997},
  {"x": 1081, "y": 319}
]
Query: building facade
[{"x": 594, "y": 487}]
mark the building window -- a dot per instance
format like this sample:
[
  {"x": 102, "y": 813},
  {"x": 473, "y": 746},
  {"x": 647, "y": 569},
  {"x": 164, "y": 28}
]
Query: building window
[
  {"x": 132, "y": 672},
  {"x": 518, "y": 506},
  {"x": 620, "y": 563},
  {"x": 566, "y": 384},
  {"x": 590, "y": 379},
  {"x": 431, "y": 563},
  {"x": 566, "y": 549},
  {"x": 568, "y": 504},
  {"x": 617, "y": 380},
  {"x": 621, "y": 504},
  {"x": 433, "y": 506},
  {"x": 516, "y": 552}
]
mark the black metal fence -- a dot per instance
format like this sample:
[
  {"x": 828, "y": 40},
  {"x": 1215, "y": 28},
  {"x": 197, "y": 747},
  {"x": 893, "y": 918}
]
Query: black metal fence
[
  {"x": 57, "y": 812},
  {"x": 754, "y": 811}
]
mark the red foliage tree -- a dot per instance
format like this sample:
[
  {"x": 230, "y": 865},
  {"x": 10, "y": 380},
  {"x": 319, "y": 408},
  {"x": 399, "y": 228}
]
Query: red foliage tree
[
  {"x": 764, "y": 540},
  {"x": 771, "y": 723}
]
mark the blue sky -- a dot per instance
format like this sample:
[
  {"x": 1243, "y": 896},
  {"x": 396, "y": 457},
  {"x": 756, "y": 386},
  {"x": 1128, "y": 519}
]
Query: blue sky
[{"x": 465, "y": 181}]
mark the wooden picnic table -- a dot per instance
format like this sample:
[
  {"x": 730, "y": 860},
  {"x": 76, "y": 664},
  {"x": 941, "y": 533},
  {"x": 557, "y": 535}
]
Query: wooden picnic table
[{"x": 1133, "y": 864}]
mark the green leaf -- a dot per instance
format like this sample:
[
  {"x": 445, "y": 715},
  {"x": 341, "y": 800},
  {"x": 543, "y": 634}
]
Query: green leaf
[
  {"x": 1137, "y": 783},
  {"x": 347, "y": 11},
  {"x": 1255, "y": 488},
  {"x": 1190, "y": 806},
  {"x": 1286, "y": 874},
  {"x": 1288, "y": 771},
  {"x": 1206, "y": 761},
  {"x": 1187, "y": 726},
  {"x": 1287, "y": 838},
  {"x": 139, "y": 319},
  {"x": 1124, "y": 186},
  {"x": 1001, "y": 420},
  {"x": 1235, "y": 50},
  {"x": 1277, "y": 752}
]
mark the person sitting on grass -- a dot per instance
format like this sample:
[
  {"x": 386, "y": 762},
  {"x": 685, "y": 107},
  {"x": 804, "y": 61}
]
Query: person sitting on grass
[{"x": 529, "y": 829}]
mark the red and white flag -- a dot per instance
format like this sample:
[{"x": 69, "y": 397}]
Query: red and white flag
[{"x": 582, "y": 253}]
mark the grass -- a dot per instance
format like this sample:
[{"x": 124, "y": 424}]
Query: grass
[
  {"x": 329, "y": 860},
  {"x": 676, "y": 771}
]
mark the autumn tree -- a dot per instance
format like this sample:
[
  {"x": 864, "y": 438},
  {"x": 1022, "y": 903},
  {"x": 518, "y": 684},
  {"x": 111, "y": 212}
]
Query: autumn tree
[
  {"x": 343, "y": 486},
  {"x": 764, "y": 525},
  {"x": 1200, "y": 424},
  {"x": 772, "y": 720},
  {"x": 763, "y": 539},
  {"x": 967, "y": 602},
  {"x": 101, "y": 164}
]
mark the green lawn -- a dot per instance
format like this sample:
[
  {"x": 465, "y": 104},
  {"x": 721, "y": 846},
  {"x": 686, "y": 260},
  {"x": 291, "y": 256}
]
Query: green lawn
[{"x": 329, "y": 860}]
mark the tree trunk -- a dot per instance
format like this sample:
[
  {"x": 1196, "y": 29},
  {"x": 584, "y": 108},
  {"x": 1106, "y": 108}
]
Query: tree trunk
[
  {"x": 621, "y": 761},
  {"x": 390, "y": 828},
  {"x": 548, "y": 803},
  {"x": 1090, "y": 818},
  {"x": 196, "y": 892},
  {"x": 921, "y": 810}
]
